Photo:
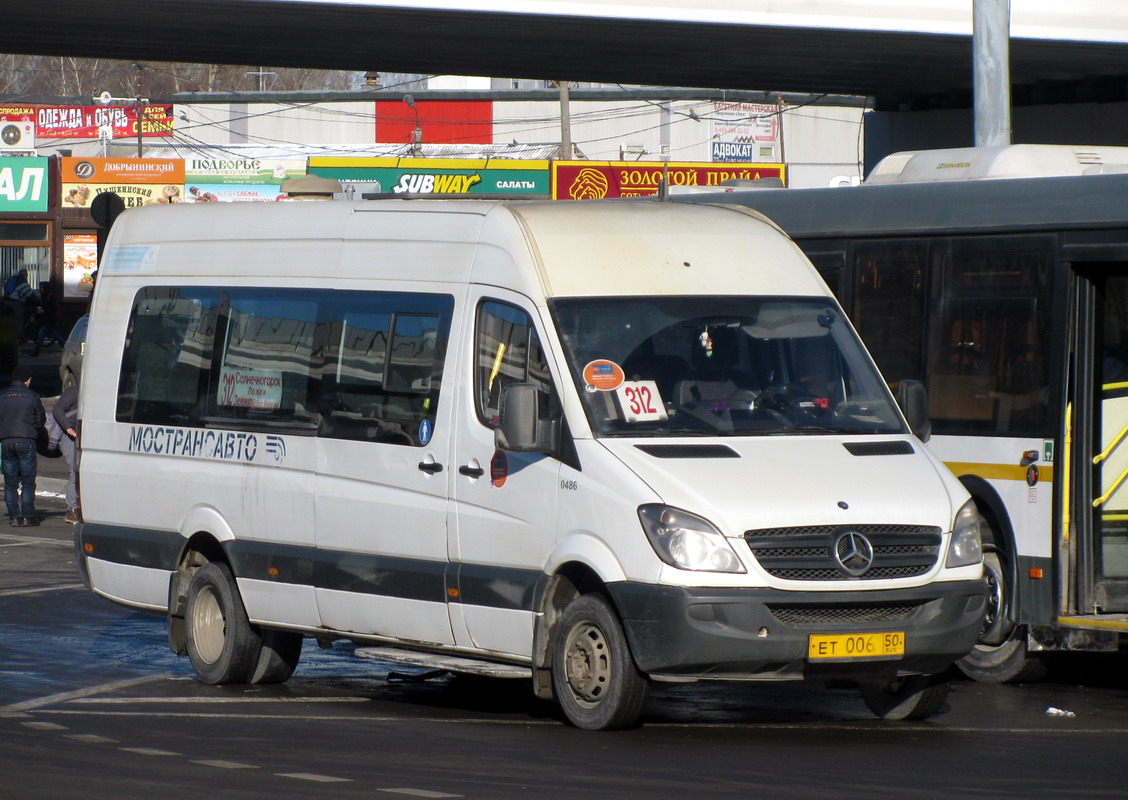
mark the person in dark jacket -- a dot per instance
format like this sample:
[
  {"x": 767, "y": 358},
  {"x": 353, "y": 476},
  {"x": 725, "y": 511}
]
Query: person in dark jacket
[
  {"x": 21, "y": 418},
  {"x": 21, "y": 299},
  {"x": 65, "y": 413}
]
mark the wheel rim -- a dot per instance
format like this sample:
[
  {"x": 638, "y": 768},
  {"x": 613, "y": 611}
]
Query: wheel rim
[
  {"x": 995, "y": 630},
  {"x": 208, "y": 626},
  {"x": 587, "y": 664}
]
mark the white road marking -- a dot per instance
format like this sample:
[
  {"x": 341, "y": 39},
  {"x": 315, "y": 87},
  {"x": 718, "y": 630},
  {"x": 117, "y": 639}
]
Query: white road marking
[
  {"x": 218, "y": 764},
  {"x": 125, "y": 701},
  {"x": 64, "y": 697},
  {"x": 36, "y": 540},
  {"x": 875, "y": 727},
  {"x": 91, "y": 738},
  {"x": 45, "y": 726},
  {"x": 40, "y": 589},
  {"x": 148, "y": 751},
  {"x": 312, "y": 776},
  {"x": 419, "y": 793}
]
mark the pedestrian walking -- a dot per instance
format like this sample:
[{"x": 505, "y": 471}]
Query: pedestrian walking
[
  {"x": 46, "y": 318},
  {"x": 65, "y": 414},
  {"x": 21, "y": 299},
  {"x": 21, "y": 419}
]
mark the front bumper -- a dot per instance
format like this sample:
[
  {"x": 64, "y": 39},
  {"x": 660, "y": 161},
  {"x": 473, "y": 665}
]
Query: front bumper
[{"x": 763, "y": 634}]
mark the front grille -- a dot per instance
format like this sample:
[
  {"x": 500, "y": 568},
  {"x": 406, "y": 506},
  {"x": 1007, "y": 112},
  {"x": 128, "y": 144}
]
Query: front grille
[
  {"x": 851, "y": 614},
  {"x": 807, "y": 553}
]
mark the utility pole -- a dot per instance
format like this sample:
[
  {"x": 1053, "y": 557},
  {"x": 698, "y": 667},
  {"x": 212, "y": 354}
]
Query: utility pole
[
  {"x": 140, "y": 112},
  {"x": 565, "y": 122},
  {"x": 990, "y": 42}
]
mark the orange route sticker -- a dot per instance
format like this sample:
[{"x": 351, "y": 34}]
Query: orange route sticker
[{"x": 602, "y": 375}]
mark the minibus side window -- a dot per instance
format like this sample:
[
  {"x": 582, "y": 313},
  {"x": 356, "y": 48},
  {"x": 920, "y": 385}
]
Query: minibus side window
[
  {"x": 509, "y": 351},
  {"x": 262, "y": 362},
  {"x": 167, "y": 360},
  {"x": 338, "y": 364},
  {"x": 382, "y": 355}
]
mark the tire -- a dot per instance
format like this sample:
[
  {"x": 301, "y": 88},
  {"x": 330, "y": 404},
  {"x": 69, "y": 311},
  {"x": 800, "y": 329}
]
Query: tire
[
  {"x": 914, "y": 697},
  {"x": 595, "y": 679},
  {"x": 1000, "y": 655},
  {"x": 279, "y": 657},
  {"x": 222, "y": 645}
]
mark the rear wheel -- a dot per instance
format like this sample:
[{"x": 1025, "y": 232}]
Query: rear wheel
[
  {"x": 595, "y": 678},
  {"x": 221, "y": 644},
  {"x": 912, "y": 697}
]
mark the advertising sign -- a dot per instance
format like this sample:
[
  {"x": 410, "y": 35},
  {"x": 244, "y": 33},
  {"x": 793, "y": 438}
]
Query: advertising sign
[
  {"x": 17, "y": 113},
  {"x": 438, "y": 176},
  {"x": 17, "y": 129},
  {"x": 245, "y": 387},
  {"x": 594, "y": 180},
  {"x": 139, "y": 181},
  {"x": 23, "y": 184},
  {"x": 80, "y": 259},
  {"x": 86, "y": 122},
  {"x": 745, "y": 132},
  {"x": 236, "y": 180}
]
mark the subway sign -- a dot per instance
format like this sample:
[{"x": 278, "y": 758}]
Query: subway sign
[
  {"x": 23, "y": 184},
  {"x": 437, "y": 176}
]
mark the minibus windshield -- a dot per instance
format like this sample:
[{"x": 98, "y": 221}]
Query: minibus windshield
[{"x": 721, "y": 366}]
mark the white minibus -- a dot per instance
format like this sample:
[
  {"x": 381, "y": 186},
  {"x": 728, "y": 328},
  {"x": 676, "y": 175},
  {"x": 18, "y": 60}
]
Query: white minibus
[{"x": 602, "y": 445}]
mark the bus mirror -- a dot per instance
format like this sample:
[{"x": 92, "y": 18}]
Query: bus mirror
[
  {"x": 913, "y": 400},
  {"x": 517, "y": 418}
]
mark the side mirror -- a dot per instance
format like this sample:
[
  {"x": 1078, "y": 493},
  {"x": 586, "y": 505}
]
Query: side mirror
[
  {"x": 913, "y": 400},
  {"x": 518, "y": 413}
]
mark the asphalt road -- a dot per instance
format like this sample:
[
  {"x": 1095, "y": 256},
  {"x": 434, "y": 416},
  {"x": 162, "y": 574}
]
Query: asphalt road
[{"x": 93, "y": 704}]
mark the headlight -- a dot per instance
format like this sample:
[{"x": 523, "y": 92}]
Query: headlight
[
  {"x": 687, "y": 541},
  {"x": 965, "y": 548}
]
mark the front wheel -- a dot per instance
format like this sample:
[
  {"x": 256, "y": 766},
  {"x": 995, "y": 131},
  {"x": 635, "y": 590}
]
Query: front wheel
[
  {"x": 912, "y": 697},
  {"x": 595, "y": 679},
  {"x": 1000, "y": 655},
  {"x": 221, "y": 644}
]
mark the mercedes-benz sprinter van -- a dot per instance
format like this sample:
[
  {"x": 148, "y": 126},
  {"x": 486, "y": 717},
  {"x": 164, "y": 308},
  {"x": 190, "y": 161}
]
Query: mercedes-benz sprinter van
[{"x": 602, "y": 445}]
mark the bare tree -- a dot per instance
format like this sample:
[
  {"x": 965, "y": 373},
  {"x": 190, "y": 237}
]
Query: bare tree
[{"x": 24, "y": 76}]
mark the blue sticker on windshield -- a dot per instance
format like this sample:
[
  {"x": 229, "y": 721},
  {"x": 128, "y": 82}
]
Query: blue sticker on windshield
[{"x": 425, "y": 431}]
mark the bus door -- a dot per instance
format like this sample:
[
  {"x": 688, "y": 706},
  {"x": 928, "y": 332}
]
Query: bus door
[
  {"x": 1099, "y": 439},
  {"x": 505, "y": 501}
]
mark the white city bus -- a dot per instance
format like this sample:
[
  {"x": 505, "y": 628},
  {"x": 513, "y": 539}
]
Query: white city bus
[
  {"x": 599, "y": 445},
  {"x": 1007, "y": 294}
]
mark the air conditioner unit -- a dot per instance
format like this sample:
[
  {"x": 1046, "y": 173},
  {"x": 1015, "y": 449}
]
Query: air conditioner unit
[{"x": 17, "y": 136}]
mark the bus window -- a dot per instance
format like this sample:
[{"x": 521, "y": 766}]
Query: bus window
[
  {"x": 383, "y": 357},
  {"x": 889, "y": 304},
  {"x": 338, "y": 364},
  {"x": 262, "y": 370},
  {"x": 831, "y": 266},
  {"x": 509, "y": 351},
  {"x": 986, "y": 343},
  {"x": 167, "y": 359}
]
